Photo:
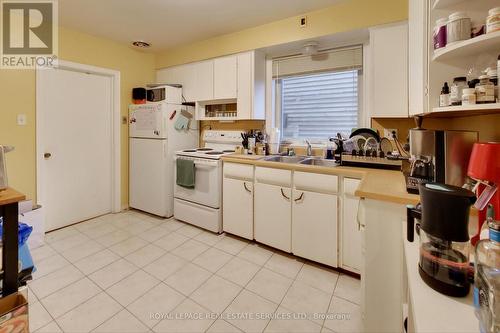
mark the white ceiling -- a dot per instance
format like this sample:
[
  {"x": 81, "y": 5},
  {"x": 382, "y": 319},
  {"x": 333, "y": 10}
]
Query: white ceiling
[{"x": 166, "y": 23}]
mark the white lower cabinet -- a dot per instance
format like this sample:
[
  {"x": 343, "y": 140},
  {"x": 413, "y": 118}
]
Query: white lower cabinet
[
  {"x": 351, "y": 234},
  {"x": 314, "y": 226},
  {"x": 273, "y": 216},
  {"x": 238, "y": 207}
]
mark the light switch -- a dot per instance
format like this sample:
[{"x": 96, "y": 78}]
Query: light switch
[{"x": 21, "y": 119}]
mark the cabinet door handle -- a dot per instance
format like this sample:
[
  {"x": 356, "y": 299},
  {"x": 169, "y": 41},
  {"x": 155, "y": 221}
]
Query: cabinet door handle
[
  {"x": 284, "y": 195},
  {"x": 300, "y": 198},
  {"x": 361, "y": 224},
  {"x": 246, "y": 188}
]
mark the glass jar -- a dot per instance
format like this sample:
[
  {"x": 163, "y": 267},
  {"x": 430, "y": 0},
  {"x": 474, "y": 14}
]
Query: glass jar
[
  {"x": 485, "y": 90},
  {"x": 458, "y": 28},
  {"x": 487, "y": 280},
  {"x": 459, "y": 84},
  {"x": 493, "y": 74}
]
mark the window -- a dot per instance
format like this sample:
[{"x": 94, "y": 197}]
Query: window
[{"x": 318, "y": 98}]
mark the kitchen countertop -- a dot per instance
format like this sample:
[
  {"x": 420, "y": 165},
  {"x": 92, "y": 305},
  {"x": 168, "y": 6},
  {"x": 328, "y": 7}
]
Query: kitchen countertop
[
  {"x": 382, "y": 185},
  {"x": 10, "y": 196},
  {"x": 432, "y": 311}
]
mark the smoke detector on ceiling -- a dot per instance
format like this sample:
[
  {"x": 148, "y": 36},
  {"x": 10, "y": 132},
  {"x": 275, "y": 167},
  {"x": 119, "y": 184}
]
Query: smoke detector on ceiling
[
  {"x": 311, "y": 48},
  {"x": 141, "y": 44}
]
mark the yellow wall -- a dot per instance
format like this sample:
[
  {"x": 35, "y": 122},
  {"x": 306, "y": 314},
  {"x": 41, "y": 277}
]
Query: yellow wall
[
  {"x": 17, "y": 95},
  {"x": 345, "y": 16}
]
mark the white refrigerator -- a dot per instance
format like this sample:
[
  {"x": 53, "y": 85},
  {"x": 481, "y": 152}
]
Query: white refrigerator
[{"x": 154, "y": 140}]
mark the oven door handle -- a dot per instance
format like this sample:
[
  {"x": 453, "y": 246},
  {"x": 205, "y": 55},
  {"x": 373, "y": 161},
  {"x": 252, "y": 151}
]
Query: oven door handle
[{"x": 202, "y": 165}]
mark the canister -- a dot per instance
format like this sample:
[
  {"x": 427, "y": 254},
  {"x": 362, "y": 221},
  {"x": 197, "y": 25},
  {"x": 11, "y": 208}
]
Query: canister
[
  {"x": 459, "y": 27},
  {"x": 485, "y": 90},
  {"x": 493, "y": 20},
  {"x": 439, "y": 35},
  {"x": 469, "y": 96}
]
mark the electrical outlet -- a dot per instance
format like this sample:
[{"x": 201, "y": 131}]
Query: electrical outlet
[
  {"x": 389, "y": 132},
  {"x": 303, "y": 21},
  {"x": 22, "y": 120}
]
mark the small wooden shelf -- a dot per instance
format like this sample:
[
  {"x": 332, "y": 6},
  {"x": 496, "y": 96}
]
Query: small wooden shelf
[
  {"x": 442, "y": 4},
  {"x": 463, "y": 110},
  {"x": 474, "y": 46}
]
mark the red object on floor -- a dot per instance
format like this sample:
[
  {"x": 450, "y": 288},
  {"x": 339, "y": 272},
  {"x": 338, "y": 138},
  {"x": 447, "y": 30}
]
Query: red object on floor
[{"x": 484, "y": 165}]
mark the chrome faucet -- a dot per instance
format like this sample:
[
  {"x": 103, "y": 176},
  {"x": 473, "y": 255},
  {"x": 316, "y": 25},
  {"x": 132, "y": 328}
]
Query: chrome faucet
[{"x": 309, "y": 148}]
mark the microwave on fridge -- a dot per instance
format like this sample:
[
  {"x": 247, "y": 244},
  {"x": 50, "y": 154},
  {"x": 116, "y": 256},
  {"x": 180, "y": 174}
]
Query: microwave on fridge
[{"x": 168, "y": 94}]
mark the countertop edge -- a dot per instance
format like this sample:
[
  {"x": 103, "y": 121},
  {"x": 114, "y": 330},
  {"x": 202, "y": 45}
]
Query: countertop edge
[{"x": 376, "y": 184}]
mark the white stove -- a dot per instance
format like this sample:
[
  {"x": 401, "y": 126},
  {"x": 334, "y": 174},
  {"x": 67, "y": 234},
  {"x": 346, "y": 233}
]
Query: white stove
[
  {"x": 217, "y": 144},
  {"x": 201, "y": 205}
]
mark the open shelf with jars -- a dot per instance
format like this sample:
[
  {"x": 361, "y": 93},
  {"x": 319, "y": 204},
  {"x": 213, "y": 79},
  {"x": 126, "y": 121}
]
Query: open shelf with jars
[
  {"x": 461, "y": 59},
  {"x": 485, "y": 43}
]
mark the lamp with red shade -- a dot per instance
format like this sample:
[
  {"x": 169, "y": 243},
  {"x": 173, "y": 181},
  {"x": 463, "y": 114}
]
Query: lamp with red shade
[{"x": 484, "y": 167}]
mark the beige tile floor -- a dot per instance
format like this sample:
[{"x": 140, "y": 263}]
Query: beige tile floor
[{"x": 131, "y": 272}]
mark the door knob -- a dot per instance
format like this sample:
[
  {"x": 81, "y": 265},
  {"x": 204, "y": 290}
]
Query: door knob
[{"x": 47, "y": 155}]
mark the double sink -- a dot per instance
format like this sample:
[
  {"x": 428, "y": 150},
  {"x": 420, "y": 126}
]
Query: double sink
[{"x": 306, "y": 160}]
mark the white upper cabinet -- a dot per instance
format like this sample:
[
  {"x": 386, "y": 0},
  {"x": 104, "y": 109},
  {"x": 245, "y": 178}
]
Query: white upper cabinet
[
  {"x": 204, "y": 80},
  {"x": 225, "y": 77},
  {"x": 184, "y": 75},
  {"x": 418, "y": 57},
  {"x": 389, "y": 70},
  {"x": 251, "y": 85},
  {"x": 239, "y": 78}
]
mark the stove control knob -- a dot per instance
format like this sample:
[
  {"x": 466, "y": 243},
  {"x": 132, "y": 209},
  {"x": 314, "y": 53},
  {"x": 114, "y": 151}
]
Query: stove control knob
[
  {"x": 381, "y": 154},
  {"x": 354, "y": 152},
  {"x": 361, "y": 152},
  {"x": 374, "y": 153}
]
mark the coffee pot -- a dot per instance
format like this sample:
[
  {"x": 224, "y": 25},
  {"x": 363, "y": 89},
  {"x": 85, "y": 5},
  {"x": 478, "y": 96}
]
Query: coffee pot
[{"x": 443, "y": 218}]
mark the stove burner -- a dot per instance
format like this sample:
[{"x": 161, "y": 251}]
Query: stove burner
[
  {"x": 189, "y": 151},
  {"x": 204, "y": 149},
  {"x": 214, "y": 153},
  {"x": 228, "y": 151}
]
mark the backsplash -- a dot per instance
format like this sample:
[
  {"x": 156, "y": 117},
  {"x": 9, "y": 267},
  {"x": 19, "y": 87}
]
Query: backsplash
[
  {"x": 243, "y": 125},
  {"x": 488, "y": 126}
]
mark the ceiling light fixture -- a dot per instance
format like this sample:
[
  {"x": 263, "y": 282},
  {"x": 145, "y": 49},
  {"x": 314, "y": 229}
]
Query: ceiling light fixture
[
  {"x": 311, "y": 48},
  {"x": 141, "y": 44}
]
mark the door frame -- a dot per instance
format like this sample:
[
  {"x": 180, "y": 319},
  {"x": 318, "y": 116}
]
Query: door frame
[{"x": 116, "y": 206}]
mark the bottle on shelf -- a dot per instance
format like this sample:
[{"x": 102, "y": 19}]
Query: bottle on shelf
[
  {"x": 444, "y": 98},
  {"x": 487, "y": 280}
]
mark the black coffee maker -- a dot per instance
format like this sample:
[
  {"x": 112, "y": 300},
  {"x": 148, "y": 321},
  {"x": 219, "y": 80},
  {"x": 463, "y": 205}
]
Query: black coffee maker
[{"x": 443, "y": 215}]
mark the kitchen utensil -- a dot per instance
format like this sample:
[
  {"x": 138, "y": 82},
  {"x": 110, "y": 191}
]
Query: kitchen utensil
[
  {"x": 443, "y": 215},
  {"x": 438, "y": 156}
]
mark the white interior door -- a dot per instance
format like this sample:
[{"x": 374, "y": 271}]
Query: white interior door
[{"x": 75, "y": 134}]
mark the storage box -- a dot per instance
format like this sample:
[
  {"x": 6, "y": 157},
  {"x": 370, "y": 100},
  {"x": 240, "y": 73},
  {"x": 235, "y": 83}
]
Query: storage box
[
  {"x": 14, "y": 314},
  {"x": 33, "y": 216}
]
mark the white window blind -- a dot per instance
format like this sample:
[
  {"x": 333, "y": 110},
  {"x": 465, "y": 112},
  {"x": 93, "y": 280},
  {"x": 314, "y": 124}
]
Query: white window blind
[
  {"x": 318, "y": 96},
  {"x": 318, "y": 106}
]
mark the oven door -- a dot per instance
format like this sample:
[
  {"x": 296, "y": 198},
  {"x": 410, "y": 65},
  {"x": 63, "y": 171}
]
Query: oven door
[{"x": 208, "y": 183}]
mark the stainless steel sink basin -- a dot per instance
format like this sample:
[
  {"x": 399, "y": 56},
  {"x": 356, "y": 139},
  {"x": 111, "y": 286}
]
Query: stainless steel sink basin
[
  {"x": 285, "y": 159},
  {"x": 319, "y": 162}
]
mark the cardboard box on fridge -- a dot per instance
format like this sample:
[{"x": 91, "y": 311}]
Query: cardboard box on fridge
[
  {"x": 14, "y": 314},
  {"x": 33, "y": 216}
]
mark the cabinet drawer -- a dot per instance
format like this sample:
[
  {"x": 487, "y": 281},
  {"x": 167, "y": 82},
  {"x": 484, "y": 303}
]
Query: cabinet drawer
[
  {"x": 314, "y": 182},
  {"x": 351, "y": 185},
  {"x": 276, "y": 177},
  {"x": 238, "y": 171}
]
